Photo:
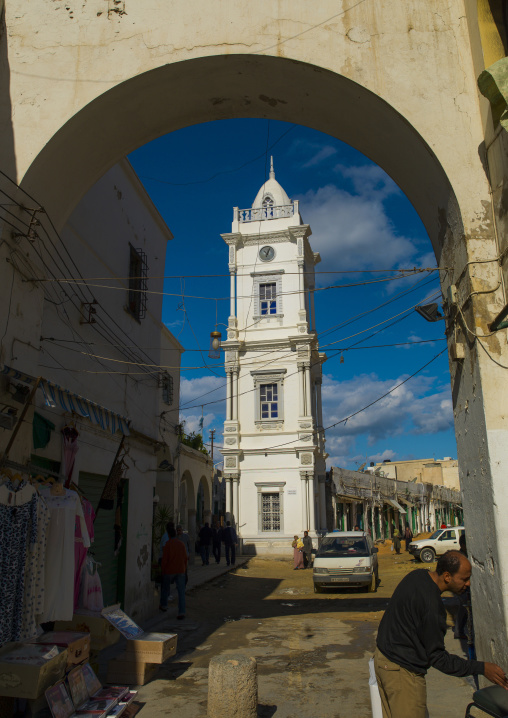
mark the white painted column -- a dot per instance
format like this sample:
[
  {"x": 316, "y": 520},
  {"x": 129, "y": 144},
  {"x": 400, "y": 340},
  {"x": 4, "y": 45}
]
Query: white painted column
[
  {"x": 305, "y": 525},
  {"x": 232, "y": 306},
  {"x": 236, "y": 501},
  {"x": 228, "y": 498},
  {"x": 312, "y": 504},
  {"x": 228, "y": 395},
  {"x": 312, "y": 309},
  {"x": 301, "y": 289},
  {"x": 308, "y": 401},
  {"x": 301, "y": 381},
  {"x": 235, "y": 394},
  {"x": 319, "y": 381},
  {"x": 322, "y": 504}
]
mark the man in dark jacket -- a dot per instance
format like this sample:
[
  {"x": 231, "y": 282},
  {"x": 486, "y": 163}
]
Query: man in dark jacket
[
  {"x": 216, "y": 542},
  {"x": 205, "y": 539},
  {"x": 230, "y": 540},
  {"x": 307, "y": 549},
  {"x": 411, "y": 635}
]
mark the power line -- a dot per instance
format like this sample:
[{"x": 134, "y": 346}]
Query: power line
[
  {"x": 355, "y": 413},
  {"x": 227, "y": 298}
]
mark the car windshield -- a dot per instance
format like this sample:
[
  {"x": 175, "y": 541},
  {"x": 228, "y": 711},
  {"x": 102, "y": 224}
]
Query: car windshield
[
  {"x": 436, "y": 534},
  {"x": 344, "y": 546}
]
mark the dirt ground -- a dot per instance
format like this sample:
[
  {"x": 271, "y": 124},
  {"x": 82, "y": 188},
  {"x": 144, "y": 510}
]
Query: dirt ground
[{"x": 312, "y": 650}]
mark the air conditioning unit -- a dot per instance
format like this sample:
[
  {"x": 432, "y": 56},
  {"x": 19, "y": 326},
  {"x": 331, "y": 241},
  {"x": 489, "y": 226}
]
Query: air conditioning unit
[{"x": 7, "y": 417}]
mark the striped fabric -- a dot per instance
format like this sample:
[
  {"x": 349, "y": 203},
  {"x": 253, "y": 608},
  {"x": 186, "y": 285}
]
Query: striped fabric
[{"x": 55, "y": 396}]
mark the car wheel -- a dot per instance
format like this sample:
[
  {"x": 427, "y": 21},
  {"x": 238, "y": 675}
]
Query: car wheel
[
  {"x": 427, "y": 555},
  {"x": 318, "y": 588}
]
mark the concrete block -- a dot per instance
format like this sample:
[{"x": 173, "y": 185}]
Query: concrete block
[{"x": 232, "y": 687}]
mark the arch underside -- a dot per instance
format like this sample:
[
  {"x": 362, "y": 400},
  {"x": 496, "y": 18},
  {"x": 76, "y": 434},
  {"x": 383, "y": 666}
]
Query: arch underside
[{"x": 237, "y": 86}]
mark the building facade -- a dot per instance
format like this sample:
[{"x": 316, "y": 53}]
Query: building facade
[
  {"x": 380, "y": 503},
  {"x": 274, "y": 444},
  {"x": 439, "y": 472}
]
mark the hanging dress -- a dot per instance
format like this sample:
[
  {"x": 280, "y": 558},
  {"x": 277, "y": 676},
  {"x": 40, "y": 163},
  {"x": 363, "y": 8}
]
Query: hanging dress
[
  {"x": 80, "y": 549},
  {"x": 59, "y": 570},
  {"x": 18, "y": 534},
  {"x": 33, "y": 603}
]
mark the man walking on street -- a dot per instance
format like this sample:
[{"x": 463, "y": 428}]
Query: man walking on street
[
  {"x": 174, "y": 566},
  {"x": 411, "y": 635},
  {"x": 216, "y": 542},
  {"x": 205, "y": 539},
  {"x": 408, "y": 536},
  {"x": 230, "y": 540},
  {"x": 307, "y": 549}
]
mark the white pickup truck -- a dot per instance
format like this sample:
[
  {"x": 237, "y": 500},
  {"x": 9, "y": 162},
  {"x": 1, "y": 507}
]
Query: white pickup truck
[{"x": 440, "y": 542}]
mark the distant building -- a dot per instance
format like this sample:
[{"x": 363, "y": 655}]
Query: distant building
[
  {"x": 378, "y": 503},
  {"x": 439, "y": 472}
]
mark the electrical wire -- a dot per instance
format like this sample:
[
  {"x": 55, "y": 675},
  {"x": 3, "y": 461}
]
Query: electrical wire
[
  {"x": 355, "y": 413},
  {"x": 228, "y": 298},
  {"x": 223, "y": 172}
]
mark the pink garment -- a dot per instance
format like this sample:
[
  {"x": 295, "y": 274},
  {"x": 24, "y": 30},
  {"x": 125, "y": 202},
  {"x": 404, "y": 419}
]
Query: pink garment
[
  {"x": 70, "y": 449},
  {"x": 297, "y": 558},
  {"x": 80, "y": 550}
]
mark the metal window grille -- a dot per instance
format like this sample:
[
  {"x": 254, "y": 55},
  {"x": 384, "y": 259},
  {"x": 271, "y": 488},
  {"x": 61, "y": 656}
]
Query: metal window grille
[
  {"x": 270, "y": 512},
  {"x": 166, "y": 383},
  {"x": 268, "y": 298},
  {"x": 138, "y": 271},
  {"x": 269, "y": 399}
]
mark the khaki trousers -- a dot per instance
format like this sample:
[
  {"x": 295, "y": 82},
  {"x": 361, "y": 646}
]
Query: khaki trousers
[{"x": 403, "y": 693}]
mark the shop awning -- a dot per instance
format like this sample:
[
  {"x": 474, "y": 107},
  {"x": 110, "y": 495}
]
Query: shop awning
[
  {"x": 55, "y": 395},
  {"x": 405, "y": 501},
  {"x": 396, "y": 505}
]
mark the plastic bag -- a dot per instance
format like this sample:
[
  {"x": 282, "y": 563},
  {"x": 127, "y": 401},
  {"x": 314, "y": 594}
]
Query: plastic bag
[{"x": 375, "y": 698}]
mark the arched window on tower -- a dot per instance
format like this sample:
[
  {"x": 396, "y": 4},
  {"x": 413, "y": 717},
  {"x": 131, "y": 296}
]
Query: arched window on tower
[{"x": 267, "y": 206}]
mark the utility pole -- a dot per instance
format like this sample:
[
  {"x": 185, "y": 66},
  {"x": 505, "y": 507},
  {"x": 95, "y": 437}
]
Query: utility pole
[{"x": 212, "y": 434}]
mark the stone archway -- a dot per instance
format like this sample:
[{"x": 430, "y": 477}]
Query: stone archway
[{"x": 399, "y": 84}]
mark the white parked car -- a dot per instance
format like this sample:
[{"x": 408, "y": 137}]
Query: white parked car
[
  {"x": 346, "y": 558},
  {"x": 440, "y": 542}
]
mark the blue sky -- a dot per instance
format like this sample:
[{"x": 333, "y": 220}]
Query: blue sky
[{"x": 360, "y": 221}]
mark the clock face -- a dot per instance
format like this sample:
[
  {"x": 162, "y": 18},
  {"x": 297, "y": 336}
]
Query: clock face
[{"x": 266, "y": 254}]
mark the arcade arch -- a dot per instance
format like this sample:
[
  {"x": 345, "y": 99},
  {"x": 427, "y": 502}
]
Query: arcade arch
[{"x": 397, "y": 84}]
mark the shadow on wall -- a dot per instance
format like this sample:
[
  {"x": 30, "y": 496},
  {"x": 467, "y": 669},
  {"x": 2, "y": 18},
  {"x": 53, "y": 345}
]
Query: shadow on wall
[{"x": 8, "y": 156}]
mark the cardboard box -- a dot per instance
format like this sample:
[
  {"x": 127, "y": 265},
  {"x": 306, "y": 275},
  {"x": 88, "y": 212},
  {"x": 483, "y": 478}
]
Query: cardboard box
[
  {"x": 102, "y": 632},
  {"x": 77, "y": 644},
  {"x": 147, "y": 647},
  {"x": 28, "y": 669},
  {"x": 127, "y": 670},
  {"x": 152, "y": 647}
]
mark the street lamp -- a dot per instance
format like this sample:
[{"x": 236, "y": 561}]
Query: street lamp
[
  {"x": 430, "y": 312},
  {"x": 215, "y": 340}
]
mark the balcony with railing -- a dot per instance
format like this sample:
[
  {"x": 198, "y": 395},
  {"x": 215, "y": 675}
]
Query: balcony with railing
[{"x": 257, "y": 214}]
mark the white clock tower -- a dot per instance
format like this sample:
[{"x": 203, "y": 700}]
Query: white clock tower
[{"x": 274, "y": 443}]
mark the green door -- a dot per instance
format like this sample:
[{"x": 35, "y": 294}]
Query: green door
[{"x": 103, "y": 546}]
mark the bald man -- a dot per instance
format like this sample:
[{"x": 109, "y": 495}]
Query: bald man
[{"x": 411, "y": 635}]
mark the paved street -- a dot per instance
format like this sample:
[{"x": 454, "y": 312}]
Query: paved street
[{"x": 312, "y": 650}]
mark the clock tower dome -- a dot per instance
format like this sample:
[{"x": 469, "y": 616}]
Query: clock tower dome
[{"x": 274, "y": 443}]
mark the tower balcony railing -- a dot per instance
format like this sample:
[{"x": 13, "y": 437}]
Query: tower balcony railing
[{"x": 257, "y": 214}]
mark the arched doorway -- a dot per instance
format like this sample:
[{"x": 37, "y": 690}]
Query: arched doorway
[{"x": 424, "y": 152}]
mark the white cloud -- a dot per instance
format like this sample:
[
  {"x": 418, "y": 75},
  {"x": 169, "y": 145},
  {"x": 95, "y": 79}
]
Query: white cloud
[
  {"x": 354, "y": 232},
  {"x": 421, "y": 406},
  {"x": 195, "y": 390},
  {"x": 320, "y": 156},
  {"x": 369, "y": 180},
  {"x": 192, "y": 422}
]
